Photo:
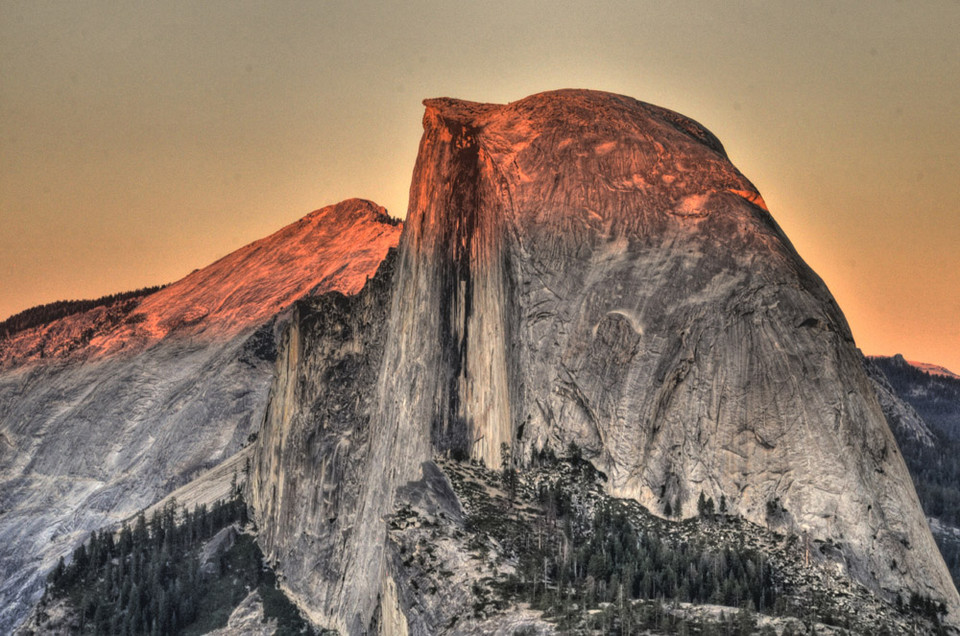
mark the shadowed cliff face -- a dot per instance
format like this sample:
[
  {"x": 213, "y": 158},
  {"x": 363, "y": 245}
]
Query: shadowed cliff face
[
  {"x": 324, "y": 463},
  {"x": 583, "y": 267},
  {"x": 99, "y": 418}
]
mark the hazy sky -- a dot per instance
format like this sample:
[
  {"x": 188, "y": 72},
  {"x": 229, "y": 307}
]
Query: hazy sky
[{"x": 139, "y": 141}]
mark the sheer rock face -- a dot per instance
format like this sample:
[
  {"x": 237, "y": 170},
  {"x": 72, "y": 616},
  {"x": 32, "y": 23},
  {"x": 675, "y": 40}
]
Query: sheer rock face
[
  {"x": 583, "y": 267},
  {"x": 319, "y": 486},
  {"x": 101, "y": 418},
  {"x": 605, "y": 276}
]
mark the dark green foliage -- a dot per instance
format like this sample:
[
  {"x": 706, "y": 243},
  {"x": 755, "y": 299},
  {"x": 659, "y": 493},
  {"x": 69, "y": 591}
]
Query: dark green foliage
[
  {"x": 706, "y": 508},
  {"x": 936, "y": 475},
  {"x": 927, "y": 607},
  {"x": 950, "y": 549},
  {"x": 638, "y": 617},
  {"x": 544, "y": 457},
  {"x": 596, "y": 564},
  {"x": 45, "y": 314},
  {"x": 609, "y": 561},
  {"x": 570, "y": 559},
  {"x": 776, "y": 513},
  {"x": 149, "y": 579},
  {"x": 508, "y": 474}
]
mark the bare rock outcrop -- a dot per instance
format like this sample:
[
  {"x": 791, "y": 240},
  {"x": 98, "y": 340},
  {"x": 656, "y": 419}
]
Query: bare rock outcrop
[
  {"x": 320, "y": 483},
  {"x": 102, "y": 417},
  {"x": 582, "y": 267}
]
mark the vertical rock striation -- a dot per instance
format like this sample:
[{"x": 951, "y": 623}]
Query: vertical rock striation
[
  {"x": 583, "y": 267},
  {"x": 319, "y": 481},
  {"x": 104, "y": 412}
]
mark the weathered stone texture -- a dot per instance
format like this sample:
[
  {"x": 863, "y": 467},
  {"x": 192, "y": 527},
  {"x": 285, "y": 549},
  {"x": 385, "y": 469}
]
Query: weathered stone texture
[
  {"x": 100, "y": 418},
  {"x": 583, "y": 267}
]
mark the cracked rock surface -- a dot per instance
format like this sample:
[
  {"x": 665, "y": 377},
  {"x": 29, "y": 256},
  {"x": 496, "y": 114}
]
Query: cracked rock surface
[
  {"x": 582, "y": 267},
  {"x": 100, "y": 418}
]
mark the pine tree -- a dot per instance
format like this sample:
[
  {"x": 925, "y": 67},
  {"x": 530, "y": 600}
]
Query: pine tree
[
  {"x": 140, "y": 535},
  {"x": 508, "y": 476},
  {"x": 56, "y": 575}
]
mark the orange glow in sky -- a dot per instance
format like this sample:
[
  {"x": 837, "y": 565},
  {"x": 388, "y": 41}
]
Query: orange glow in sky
[{"x": 141, "y": 141}]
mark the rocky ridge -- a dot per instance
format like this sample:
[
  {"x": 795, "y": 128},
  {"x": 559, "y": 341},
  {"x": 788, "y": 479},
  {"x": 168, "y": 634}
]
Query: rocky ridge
[
  {"x": 103, "y": 413},
  {"x": 934, "y": 460},
  {"x": 926, "y": 367},
  {"x": 333, "y": 248},
  {"x": 903, "y": 419},
  {"x": 934, "y": 395},
  {"x": 808, "y": 576}
]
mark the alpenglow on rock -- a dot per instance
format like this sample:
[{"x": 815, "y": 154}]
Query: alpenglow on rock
[
  {"x": 104, "y": 412},
  {"x": 582, "y": 267}
]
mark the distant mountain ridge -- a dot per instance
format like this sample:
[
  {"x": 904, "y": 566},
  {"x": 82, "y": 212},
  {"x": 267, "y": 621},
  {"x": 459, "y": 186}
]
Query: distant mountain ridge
[
  {"x": 932, "y": 390},
  {"x": 45, "y": 314},
  {"x": 237, "y": 292},
  {"x": 934, "y": 369},
  {"x": 926, "y": 367}
]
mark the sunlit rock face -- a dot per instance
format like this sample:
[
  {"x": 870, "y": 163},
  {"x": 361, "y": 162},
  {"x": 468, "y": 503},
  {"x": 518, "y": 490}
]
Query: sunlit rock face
[
  {"x": 335, "y": 248},
  {"x": 616, "y": 282},
  {"x": 103, "y": 413},
  {"x": 583, "y": 267}
]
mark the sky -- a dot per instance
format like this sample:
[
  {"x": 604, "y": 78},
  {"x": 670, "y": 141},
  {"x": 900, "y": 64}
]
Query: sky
[{"x": 142, "y": 140}]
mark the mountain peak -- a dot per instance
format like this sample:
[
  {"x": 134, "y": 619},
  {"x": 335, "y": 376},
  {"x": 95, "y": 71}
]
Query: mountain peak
[
  {"x": 580, "y": 108},
  {"x": 335, "y": 248},
  {"x": 350, "y": 211},
  {"x": 553, "y": 146},
  {"x": 580, "y": 270},
  {"x": 627, "y": 290}
]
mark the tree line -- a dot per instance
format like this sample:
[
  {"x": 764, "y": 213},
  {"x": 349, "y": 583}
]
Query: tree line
[
  {"x": 146, "y": 579},
  {"x": 45, "y": 314},
  {"x": 572, "y": 562},
  {"x": 601, "y": 568}
]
